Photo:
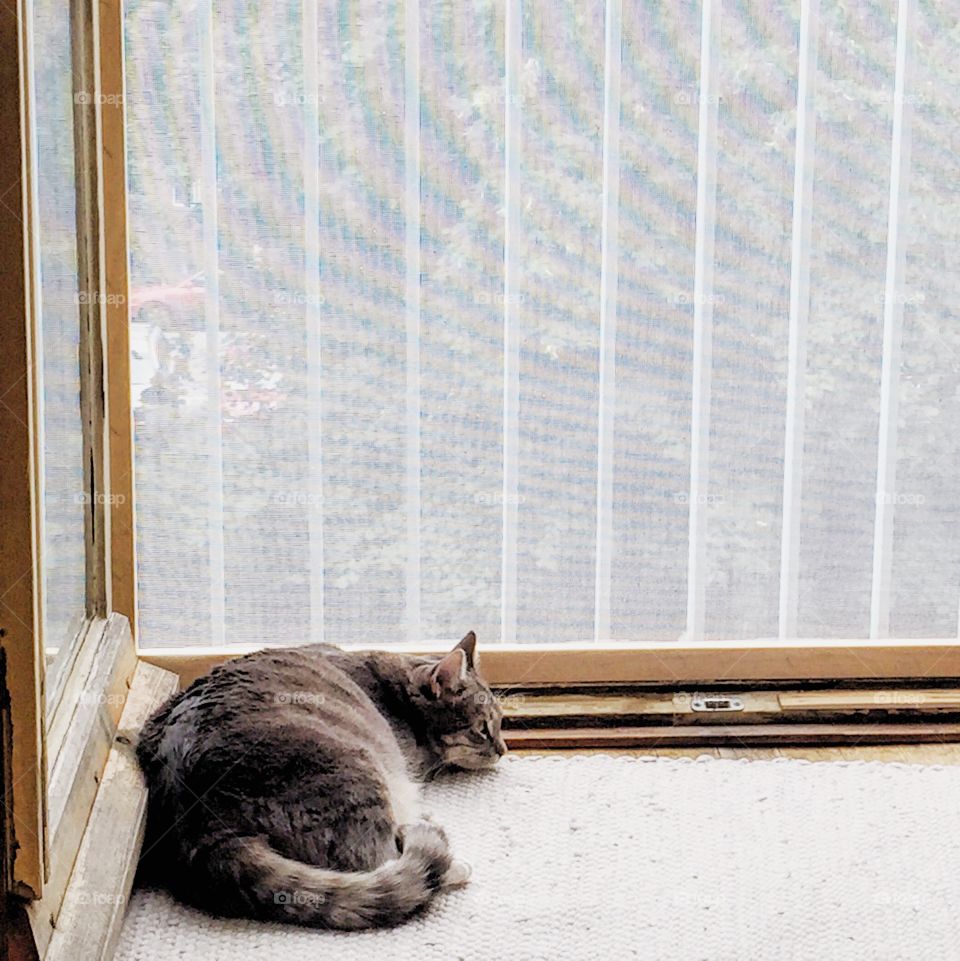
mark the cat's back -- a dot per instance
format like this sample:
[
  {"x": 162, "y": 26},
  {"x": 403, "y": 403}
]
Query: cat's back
[{"x": 267, "y": 709}]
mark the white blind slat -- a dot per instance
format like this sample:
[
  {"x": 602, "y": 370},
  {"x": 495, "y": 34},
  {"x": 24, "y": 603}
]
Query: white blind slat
[
  {"x": 610, "y": 227},
  {"x": 799, "y": 310},
  {"x": 411, "y": 139},
  {"x": 893, "y": 302},
  {"x": 511, "y": 341},
  {"x": 211, "y": 248},
  {"x": 709, "y": 98},
  {"x": 313, "y": 314}
]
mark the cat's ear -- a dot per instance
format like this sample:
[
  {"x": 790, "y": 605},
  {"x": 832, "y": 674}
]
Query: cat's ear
[
  {"x": 449, "y": 673},
  {"x": 469, "y": 647},
  {"x": 451, "y": 670}
]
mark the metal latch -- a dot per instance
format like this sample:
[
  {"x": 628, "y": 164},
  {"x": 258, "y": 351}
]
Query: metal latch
[{"x": 715, "y": 702}]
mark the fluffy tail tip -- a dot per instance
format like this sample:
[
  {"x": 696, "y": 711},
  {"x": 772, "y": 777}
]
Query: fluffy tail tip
[
  {"x": 458, "y": 874},
  {"x": 431, "y": 840}
]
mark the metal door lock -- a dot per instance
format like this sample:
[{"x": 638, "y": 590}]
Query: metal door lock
[{"x": 715, "y": 702}]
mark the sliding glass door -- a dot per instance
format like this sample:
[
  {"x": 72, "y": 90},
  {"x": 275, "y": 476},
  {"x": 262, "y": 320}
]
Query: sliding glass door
[{"x": 576, "y": 324}]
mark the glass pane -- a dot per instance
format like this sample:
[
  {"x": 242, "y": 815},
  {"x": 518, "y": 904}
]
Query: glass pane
[
  {"x": 561, "y": 110},
  {"x": 751, "y": 296},
  {"x": 168, "y": 294},
  {"x": 461, "y": 365},
  {"x": 64, "y": 494},
  {"x": 657, "y": 225},
  {"x": 844, "y": 336},
  {"x": 926, "y": 550},
  {"x": 362, "y": 233},
  {"x": 299, "y": 437}
]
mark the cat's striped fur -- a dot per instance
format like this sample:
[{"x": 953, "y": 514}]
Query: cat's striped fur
[{"x": 284, "y": 785}]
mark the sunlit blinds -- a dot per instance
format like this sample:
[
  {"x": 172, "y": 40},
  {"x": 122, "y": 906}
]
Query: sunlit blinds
[{"x": 561, "y": 321}]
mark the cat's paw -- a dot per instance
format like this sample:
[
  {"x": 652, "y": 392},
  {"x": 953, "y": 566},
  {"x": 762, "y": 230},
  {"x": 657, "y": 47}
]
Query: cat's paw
[
  {"x": 458, "y": 874},
  {"x": 422, "y": 832}
]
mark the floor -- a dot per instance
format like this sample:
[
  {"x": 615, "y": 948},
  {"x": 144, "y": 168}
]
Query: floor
[{"x": 755, "y": 861}]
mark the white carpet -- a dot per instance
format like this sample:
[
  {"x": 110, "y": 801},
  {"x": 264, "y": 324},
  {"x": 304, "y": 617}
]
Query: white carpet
[{"x": 610, "y": 858}]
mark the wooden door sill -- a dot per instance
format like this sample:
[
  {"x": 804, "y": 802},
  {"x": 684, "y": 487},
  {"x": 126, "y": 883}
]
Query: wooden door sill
[{"x": 730, "y": 735}]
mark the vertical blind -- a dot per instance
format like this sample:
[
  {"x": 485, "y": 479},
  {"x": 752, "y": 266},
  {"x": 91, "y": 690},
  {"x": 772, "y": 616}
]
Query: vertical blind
[{"x": 562, "y": 321}]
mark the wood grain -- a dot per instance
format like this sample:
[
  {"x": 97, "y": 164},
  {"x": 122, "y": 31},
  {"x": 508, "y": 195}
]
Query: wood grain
[
  {"x": 91, "y": 304},
  {"x": 113, "y": 222},
  {"x": 703, "y": 664},
  {"x": 91, "y": 914},
  {"x": 20, "y": 587},
  {"x": 733, "y": 735},
  {"x": 94, "y": 697}
]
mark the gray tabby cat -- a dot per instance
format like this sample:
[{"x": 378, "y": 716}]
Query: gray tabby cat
[{"x": 285, "y": 785}]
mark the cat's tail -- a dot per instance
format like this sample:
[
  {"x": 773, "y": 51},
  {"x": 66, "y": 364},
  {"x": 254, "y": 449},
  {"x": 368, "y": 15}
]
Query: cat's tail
[{"x": 277, "y": 888}]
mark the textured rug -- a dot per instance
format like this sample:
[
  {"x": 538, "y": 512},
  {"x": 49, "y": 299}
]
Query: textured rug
[{"x": 610, "y": 858}]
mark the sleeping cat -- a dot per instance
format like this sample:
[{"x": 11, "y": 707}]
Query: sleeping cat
[{"x": 284, "y": 784}]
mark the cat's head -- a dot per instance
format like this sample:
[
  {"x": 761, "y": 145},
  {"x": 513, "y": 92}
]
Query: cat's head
[{"x": 461, "y": 716}]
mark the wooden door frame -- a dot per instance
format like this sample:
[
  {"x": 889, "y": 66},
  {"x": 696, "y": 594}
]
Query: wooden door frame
[
  {"x": 20, "y": 583},
  {"x": 52, "y": 807},
  {"x": 112, "y": 161},
  {"x": 104, "y": 655}
]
